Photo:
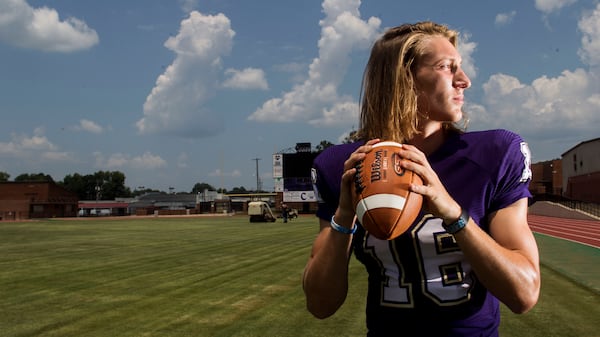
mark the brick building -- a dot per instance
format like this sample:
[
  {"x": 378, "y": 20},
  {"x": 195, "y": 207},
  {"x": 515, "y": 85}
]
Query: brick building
[
  {"x": 546, "y": 178},
  {"x": 35, "y": 199},
  {"x": 581, "y": 171}
]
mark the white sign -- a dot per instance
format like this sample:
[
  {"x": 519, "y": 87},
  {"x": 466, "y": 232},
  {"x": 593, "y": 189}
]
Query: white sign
[
  {"x": 278, "y": 184},
  {"x": 278, "y": 165},
  {"x": 299, "y": 196}
]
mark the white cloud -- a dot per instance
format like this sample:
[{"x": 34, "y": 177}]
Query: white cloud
[
  {"x": 501, "y": 85},
  {"x": 565, "y": 106},
  {"x": 589, "y": 25},
  {"x": 292, "y": 67},
  {"x": 146, "y": 161},
  {"x": 549, "y": 6},
  {"x": 33, "y": 147},
  {"x": 9, "y": 148},
  {"x": 341, "y": 111},
  {"x": 562, "y": 106},
  {"x": 249, "y": 78},
  {"x": 36, "y": 142},
  {"x": 56, "y": 156},
  {"x": 41, "y": 28},
  {"x": 503, "y": 19},
  {"x": 316, "y": 100},
  {"x": 466, "y": 49},
  {"x": 176, "y": 103},
  {"x": 88, "y": 126},
  {"x": 188, "y": 5}
]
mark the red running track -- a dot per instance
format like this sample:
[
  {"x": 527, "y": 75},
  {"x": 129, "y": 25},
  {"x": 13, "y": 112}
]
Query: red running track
[{"x": 586, "y": 232}]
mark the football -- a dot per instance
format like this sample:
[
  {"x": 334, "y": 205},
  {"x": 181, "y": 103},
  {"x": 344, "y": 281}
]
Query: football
[{"x": 384, "y": 205}]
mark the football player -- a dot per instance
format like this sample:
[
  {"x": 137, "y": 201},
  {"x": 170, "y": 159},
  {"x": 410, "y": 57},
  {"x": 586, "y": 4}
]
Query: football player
[{"x": 470, "y": 247}]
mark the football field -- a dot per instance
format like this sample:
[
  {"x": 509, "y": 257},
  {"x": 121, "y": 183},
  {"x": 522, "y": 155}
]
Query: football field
[{"x": 219, "y": 276}]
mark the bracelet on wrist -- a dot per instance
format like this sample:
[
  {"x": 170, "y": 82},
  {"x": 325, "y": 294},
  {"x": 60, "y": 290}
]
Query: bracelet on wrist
[
  {"x": 459, "y": 224},
  {"x": 342, "y": 229}
]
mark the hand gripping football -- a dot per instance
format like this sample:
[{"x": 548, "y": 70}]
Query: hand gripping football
[{"x": 384, "y": 205}]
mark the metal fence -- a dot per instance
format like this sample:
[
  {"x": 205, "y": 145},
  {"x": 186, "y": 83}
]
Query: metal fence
[{"x": 587, "y": 207}]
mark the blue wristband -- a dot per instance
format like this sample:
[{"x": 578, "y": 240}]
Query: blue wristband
[
  {"x": 342, "y": 229},
  {"x": 459, "y": 224}
]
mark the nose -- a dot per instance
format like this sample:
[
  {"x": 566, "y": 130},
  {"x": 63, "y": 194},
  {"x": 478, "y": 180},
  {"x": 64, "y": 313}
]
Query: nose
[{"x": 461, "y": 80}]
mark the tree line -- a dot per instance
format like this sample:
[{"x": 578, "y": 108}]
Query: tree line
[{"x": 104, "y": 185}]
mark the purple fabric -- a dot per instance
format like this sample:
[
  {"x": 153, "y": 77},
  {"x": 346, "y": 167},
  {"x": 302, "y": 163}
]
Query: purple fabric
[{"x": 420, "y": 283}]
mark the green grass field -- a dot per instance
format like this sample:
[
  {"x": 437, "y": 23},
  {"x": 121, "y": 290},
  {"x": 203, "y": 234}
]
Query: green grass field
[{"x": 212, "y": 276}]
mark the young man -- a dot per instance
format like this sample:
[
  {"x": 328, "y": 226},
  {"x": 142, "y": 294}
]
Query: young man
[{"x": 471, "y": 245}]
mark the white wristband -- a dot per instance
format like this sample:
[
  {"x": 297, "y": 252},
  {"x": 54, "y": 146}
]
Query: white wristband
[{"x": 342, "y": 229}]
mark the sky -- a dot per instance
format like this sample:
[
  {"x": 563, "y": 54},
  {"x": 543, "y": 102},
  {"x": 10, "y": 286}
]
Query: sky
[{"x": 174, "y": 93}]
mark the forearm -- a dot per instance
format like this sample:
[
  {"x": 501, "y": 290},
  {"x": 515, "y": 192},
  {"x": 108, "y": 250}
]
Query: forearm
[
  {"x": 510, "y": 274},
  {"x": 325, "y": 279}
]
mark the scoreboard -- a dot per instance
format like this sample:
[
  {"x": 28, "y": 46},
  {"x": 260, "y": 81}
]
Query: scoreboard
[{"x": 291, "y": 172}]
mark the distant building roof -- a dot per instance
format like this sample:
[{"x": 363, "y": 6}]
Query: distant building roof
[
  {"x": 164, "y": 200},
  {"x": 102, "y": 204},
  {"x": 164, "y": 197},
  {"x": 580, "y": 144}
]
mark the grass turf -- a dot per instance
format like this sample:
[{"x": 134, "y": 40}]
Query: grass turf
[{"x": 214, "y": 276}]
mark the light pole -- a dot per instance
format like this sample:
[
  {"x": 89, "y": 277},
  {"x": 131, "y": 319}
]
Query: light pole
[
  {"x": 98, "y": 192},
  {"x": 258, "y": 187}
]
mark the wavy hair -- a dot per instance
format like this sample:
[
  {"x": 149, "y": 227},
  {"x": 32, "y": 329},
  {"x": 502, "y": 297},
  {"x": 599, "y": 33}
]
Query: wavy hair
[{"x": 388, "y": 97}]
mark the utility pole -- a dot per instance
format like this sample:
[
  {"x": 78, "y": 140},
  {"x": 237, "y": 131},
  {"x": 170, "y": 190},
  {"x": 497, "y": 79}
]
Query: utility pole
[
  {"x": 98, "y": 190},
  {"x": 258, "y": 187}
]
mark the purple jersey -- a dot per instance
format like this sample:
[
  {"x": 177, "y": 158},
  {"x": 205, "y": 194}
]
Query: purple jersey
[{"x": 420, "y": 283}]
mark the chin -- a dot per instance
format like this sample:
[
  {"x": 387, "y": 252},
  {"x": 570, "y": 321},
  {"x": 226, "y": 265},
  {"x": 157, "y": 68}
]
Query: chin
[{"x": 457, "y": 116}]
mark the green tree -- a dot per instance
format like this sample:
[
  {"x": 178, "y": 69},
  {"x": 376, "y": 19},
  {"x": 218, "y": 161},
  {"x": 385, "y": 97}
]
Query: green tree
[
  {"x": 323, "y": 145},
  {"x": 4, "y": 176},
  {"x": 240, "y": 190},
  {"x": 111, "y": 185},
  {"x": 102, "y": 185},
  {"x": 78, "y": 184},
  {"x": 34, "y": 177},
  {"x": 201, "y": 187},
  {"x": 350, "y": 138}
]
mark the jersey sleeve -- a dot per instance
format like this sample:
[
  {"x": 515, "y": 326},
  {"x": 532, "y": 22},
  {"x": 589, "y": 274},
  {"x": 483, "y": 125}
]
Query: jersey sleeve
[
  {"x": 326, "y": 173},
  {"x": 326, "y": 191},
  {"x": 514, "y": 172}
]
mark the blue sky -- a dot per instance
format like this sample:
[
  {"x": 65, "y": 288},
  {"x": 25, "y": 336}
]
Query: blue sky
[{"x": 172, "y": 93}]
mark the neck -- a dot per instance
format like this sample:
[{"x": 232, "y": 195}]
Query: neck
[{"x": 432, "y": 136}]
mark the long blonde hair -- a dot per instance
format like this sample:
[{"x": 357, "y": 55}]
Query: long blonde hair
[{"x": 389, "y": 100}]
